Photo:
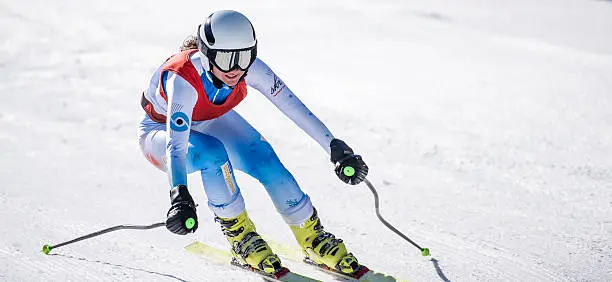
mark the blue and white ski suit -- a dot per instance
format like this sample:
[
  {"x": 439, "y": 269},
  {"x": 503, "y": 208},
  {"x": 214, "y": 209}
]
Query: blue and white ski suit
[{"x": 215, "y": 147}]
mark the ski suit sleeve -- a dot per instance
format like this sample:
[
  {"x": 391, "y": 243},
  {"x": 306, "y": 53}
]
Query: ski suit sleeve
[
  {"x": 262, "y": 78},
  {"x": 182, "y": 98}
]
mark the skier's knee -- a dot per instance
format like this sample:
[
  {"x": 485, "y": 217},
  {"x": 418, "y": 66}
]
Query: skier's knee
[
  {"x": 205, "y": 152},
  {"x": 263, "y": 161}
]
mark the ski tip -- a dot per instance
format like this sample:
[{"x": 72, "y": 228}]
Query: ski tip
[
  {"x": 46, "y": 249},
  {"x": 425, "y": 252}
]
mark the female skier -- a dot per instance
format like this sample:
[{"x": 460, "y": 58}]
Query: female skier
[{"x": 190, "y": 126}]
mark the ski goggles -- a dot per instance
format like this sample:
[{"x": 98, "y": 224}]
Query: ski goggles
[{"x": 228, "y": 60}]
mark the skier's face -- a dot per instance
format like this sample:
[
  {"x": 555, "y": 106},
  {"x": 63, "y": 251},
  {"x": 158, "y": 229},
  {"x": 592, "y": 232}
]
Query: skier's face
[{"x": 230, "y": 78}]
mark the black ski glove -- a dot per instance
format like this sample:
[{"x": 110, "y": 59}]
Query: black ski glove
[
  {"x": 182, "y": 217},
  {"x": 350, "y": 168}
]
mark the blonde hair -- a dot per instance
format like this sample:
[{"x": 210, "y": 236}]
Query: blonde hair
[{"x": 191, "y": 42}]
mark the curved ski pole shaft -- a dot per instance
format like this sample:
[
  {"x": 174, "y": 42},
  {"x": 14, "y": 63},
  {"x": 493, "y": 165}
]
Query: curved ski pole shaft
[
  {"x": 424, "y": 251},
  {"x": 47, "y": 248}
]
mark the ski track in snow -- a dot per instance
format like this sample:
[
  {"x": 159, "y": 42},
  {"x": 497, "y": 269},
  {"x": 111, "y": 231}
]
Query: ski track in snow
[
  {"x": 480, "y": 256},
  {"x": 486, "y": 126}
]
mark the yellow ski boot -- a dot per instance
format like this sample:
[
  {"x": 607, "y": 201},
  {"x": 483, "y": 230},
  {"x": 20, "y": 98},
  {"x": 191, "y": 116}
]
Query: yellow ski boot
[
  {"x": 322, "y": 247},
  {"x": 247, "y": 246}
]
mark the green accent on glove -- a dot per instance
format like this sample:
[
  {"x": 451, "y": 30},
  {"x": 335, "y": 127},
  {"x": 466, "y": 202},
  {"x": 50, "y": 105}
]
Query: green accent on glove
[
  {"x": 190, "y": 223},
  {"x": 425, "y": 252},
  {"x": 46, "y": 249},
  {"x": 348, "y": 171}
]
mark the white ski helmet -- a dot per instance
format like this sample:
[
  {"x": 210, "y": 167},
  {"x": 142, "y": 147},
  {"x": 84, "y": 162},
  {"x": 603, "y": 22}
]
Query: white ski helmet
[{"x": 227, "y": 39}]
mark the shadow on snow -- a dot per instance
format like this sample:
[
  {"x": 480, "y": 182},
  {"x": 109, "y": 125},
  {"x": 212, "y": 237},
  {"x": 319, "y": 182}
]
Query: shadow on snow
[
  {"x": 121, "y": 266},
  {"x": 439, "y": 270}
]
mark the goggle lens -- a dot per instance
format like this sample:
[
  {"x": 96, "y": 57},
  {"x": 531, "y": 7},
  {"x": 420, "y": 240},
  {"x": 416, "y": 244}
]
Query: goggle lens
[{"x": 229, "y": 60}]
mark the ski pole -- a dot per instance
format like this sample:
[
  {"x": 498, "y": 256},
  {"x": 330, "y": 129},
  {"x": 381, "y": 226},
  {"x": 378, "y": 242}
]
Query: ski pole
[
  {"x": 47, "y": 248},
  {"x": 424, "y": 251}
]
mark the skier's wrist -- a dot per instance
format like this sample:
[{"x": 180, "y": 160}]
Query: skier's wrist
[
  {"x": 339, "y": 150},
  {"x": 180, "y": 193}
]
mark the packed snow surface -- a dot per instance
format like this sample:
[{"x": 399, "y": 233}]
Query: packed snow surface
[{"x": 487, "y": 126}]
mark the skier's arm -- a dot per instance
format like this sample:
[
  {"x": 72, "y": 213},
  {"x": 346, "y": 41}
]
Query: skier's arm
[
  {"x": 181, "y": 100},
  {"x": 262, "y": 78},
  {"x": 182, "y": 217},
  {"x": 349, "y": 167}
]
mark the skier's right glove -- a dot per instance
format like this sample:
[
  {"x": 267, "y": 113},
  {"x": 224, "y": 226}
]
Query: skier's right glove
[{"x": 182, "y": 217}]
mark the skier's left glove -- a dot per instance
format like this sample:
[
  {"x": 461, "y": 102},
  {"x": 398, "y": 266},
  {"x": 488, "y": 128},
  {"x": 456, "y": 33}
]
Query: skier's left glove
[
  {"x": 182, "y": 217},
  {"x": 350, "y": 168}
]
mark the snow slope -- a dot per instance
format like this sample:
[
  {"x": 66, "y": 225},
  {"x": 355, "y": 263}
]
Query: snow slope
[{"x": 486, "y": 125}]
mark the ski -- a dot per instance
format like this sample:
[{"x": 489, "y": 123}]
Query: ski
[
  {"x": 222, "y": 256},
  {"x": 295, "y": 254},
  {"x": 363, "y": 273},
  {"x": 282, "y": 274}
]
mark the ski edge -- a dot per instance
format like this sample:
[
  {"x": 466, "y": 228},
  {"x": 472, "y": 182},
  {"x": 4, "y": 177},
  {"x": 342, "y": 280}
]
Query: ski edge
[
  {"x": 223, "y": 256},
  {"x": 296, "y": 254}
]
